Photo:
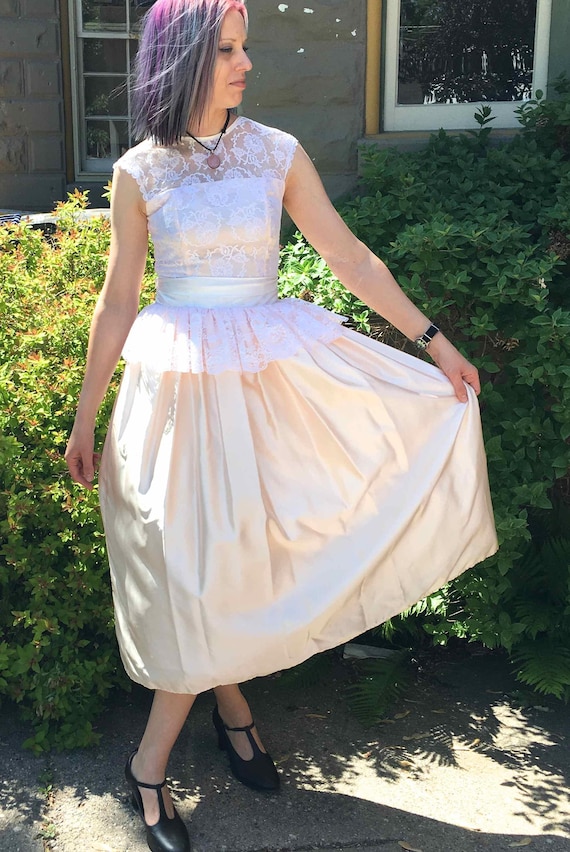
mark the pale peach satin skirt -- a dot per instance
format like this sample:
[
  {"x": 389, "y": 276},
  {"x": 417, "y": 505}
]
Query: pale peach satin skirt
[{"x": 256, "y": 518}]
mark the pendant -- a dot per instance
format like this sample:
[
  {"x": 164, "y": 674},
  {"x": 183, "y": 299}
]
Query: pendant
[{"x": 213, "y": 161}]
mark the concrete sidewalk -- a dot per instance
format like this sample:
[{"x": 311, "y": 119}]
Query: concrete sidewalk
[{"x": 458, "y": 768}]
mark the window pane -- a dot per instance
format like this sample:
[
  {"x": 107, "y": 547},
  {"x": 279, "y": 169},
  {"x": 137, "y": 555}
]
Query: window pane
[
  {"x": 104, "y": 15},
  {"x": 104, "y": 54},
  {"x": 106, "y": 140},
  {"x": 133, "y": 47},
  {"x": 138, "y": 8},
  {"x": 106, "y": 96},
  {"x": 465, "y": 51}
]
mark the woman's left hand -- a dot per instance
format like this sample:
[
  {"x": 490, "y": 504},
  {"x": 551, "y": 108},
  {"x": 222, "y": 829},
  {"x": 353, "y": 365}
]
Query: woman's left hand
[{"x": 457, "y": 368}]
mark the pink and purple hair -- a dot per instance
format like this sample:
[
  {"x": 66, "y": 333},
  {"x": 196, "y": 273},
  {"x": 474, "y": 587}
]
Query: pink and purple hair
[{"x": 174, "y": 68}]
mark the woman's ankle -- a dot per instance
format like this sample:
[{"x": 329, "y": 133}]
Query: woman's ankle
[
  {"x": 148, "y": 766},
  {"x": 235, "y": 715}
]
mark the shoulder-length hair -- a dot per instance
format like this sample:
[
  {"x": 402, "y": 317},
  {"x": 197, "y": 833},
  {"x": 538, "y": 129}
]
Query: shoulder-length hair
[{"x": 174, "y": 67}]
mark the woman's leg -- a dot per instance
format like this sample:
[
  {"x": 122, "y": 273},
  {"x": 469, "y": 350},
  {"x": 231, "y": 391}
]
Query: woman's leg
[
  {"x": 234, "y": 711},
  {"x": 167, "y": 716}
]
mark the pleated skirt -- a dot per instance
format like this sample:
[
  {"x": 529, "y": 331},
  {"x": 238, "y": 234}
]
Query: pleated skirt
[{"x": 255, "y": 519}]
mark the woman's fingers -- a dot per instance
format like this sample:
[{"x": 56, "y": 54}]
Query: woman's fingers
[
  {"x": 456, "y": 367},
  {"x": 456, "y": 380},
  {"x": 82, "y": 471},
  {"x": 459, "y": 378},
  {"x": 471, "y": 376},
  {"x": 82, "y": 462}
]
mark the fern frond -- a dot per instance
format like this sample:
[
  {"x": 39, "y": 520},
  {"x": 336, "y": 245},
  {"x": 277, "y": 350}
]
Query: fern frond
[
  {"x": 550, "y": 523},
  {"x": 309, "y": 673},
  {"x": 381, "y": 683},
  {"x": 405, "y": 628},
  {"x": 537, "y": 616},
  {"x": 544, "y": 665},
  {"x": 543, "y": 572}
]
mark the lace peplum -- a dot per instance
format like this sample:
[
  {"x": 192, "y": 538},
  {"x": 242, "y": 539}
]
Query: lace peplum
[
  {"x": 209, "y": 225},
  {"x": 212, "y": 340}
]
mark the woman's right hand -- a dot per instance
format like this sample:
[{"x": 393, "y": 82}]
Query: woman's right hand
[{"x": 81, "y": 460}]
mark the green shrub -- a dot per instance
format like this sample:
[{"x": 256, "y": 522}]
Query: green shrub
[
  {"x": 548, "y": 121},
  {"x": 58, "y": 655},
  {"x": 479, "y": 237}
]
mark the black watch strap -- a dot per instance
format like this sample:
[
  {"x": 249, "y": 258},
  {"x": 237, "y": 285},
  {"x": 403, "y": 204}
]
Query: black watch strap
[{"x": 427, "y": 337}]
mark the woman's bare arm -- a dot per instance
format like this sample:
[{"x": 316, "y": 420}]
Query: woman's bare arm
[
  {"x": 362, "y": 272},
  {"x": 114, "y": 315}
]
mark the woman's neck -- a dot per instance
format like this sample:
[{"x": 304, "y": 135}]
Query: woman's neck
[{"x": 211, "y": 124}]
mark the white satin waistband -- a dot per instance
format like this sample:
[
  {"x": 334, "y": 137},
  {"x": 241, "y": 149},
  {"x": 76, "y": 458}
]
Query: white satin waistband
[{"x": 206, "y": 292}]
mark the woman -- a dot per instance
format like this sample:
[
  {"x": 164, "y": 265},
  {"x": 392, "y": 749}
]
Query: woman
[{"x": 272, "y": 484}]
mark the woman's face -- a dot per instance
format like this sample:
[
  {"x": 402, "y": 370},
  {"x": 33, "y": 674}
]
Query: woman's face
[{"x": 232, "y": 63}]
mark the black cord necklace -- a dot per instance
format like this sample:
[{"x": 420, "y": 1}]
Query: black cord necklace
[{"x": 213, "y": 160}]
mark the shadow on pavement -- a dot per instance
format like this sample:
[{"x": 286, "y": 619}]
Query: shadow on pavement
[{"x": 459, "y": 766}]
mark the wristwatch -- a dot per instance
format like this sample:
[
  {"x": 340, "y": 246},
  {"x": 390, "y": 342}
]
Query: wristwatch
[{"x": 427, "y": 337}]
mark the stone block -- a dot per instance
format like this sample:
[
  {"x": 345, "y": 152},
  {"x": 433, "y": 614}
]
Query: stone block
[
  {"x": 339, "y": 185},
  {"x": 13, "y": 154},
  {"x": 31, "y": 192},
  {"x": 319, "y": 21},
  {"x": 46, "y": 154},
  {"x": 307, "y": 78},
  {"x": 41, "y": 9},
  {"x": 43, "y": 78},
  {"x": 9, "y": 8},
  {"x": 559, "y": 56},
  {"x": 11, "y": 79},
  {"x": 309, "y": 59},
  {"x": 24, "y": 39},
  {"x": 23, "y": 117}
]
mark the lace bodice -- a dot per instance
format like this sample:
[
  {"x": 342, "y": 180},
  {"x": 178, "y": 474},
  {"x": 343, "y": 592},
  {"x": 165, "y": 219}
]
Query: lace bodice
[
  {"x": 215, "y": 222},
  {"x": 216, "y": 248}
]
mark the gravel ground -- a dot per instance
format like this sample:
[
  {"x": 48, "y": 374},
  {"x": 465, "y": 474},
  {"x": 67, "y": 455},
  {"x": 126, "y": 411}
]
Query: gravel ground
[{"x": 459, "y": 766}]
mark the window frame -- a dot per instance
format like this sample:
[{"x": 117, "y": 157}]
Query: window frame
[
  {"x": 91, "y": 168},
  {"x": 429, "y": 117}
]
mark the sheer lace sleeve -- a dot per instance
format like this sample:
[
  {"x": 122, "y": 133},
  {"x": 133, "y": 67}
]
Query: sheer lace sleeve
[
  {"x": 137, "y": 163},
  {"x": 280, "y": 147}
]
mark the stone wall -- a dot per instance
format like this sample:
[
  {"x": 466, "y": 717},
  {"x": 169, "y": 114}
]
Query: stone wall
[
  {"x": 308, "y": 78},
  {"x": 32, "y": 171}
]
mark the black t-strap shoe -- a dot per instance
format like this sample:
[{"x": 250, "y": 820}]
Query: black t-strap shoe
[
  {"x": 259, "y": 771},
  {"x": 168, "y": 834}
]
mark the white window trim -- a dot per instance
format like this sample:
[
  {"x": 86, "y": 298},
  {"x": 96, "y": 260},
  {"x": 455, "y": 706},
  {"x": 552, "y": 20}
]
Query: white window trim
[
  {"x": 100, "y": 169},
  {"x": 454, "y": 116}
]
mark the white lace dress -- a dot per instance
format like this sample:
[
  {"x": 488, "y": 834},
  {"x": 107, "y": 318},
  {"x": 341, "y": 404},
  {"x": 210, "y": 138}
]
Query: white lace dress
[{"x": 272, "y": 483}]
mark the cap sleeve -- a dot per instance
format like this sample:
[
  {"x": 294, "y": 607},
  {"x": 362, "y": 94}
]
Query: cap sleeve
[
  {"x": 136, "y": 163},
  {"x": 287, "y": 145}
]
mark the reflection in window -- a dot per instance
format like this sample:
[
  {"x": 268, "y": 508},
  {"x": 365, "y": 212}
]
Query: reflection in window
[
  {"x": 104, "y": 15},
  {"x": 464, "y": 51},
  {"x": 105, "y": 96},
  {"x": 106, "y": 140},
  {"x": 104, "y": 55}
]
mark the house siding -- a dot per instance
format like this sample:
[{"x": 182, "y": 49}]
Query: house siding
[
  {"x": 559, "y": 58},
  {"x": 32, "y": 167},
  {"x": 308, "y": 78}
]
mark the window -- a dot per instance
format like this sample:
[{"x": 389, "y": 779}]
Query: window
[
  {"x": 445, "y": 57},
  {"x": 103, "y": 46}
]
